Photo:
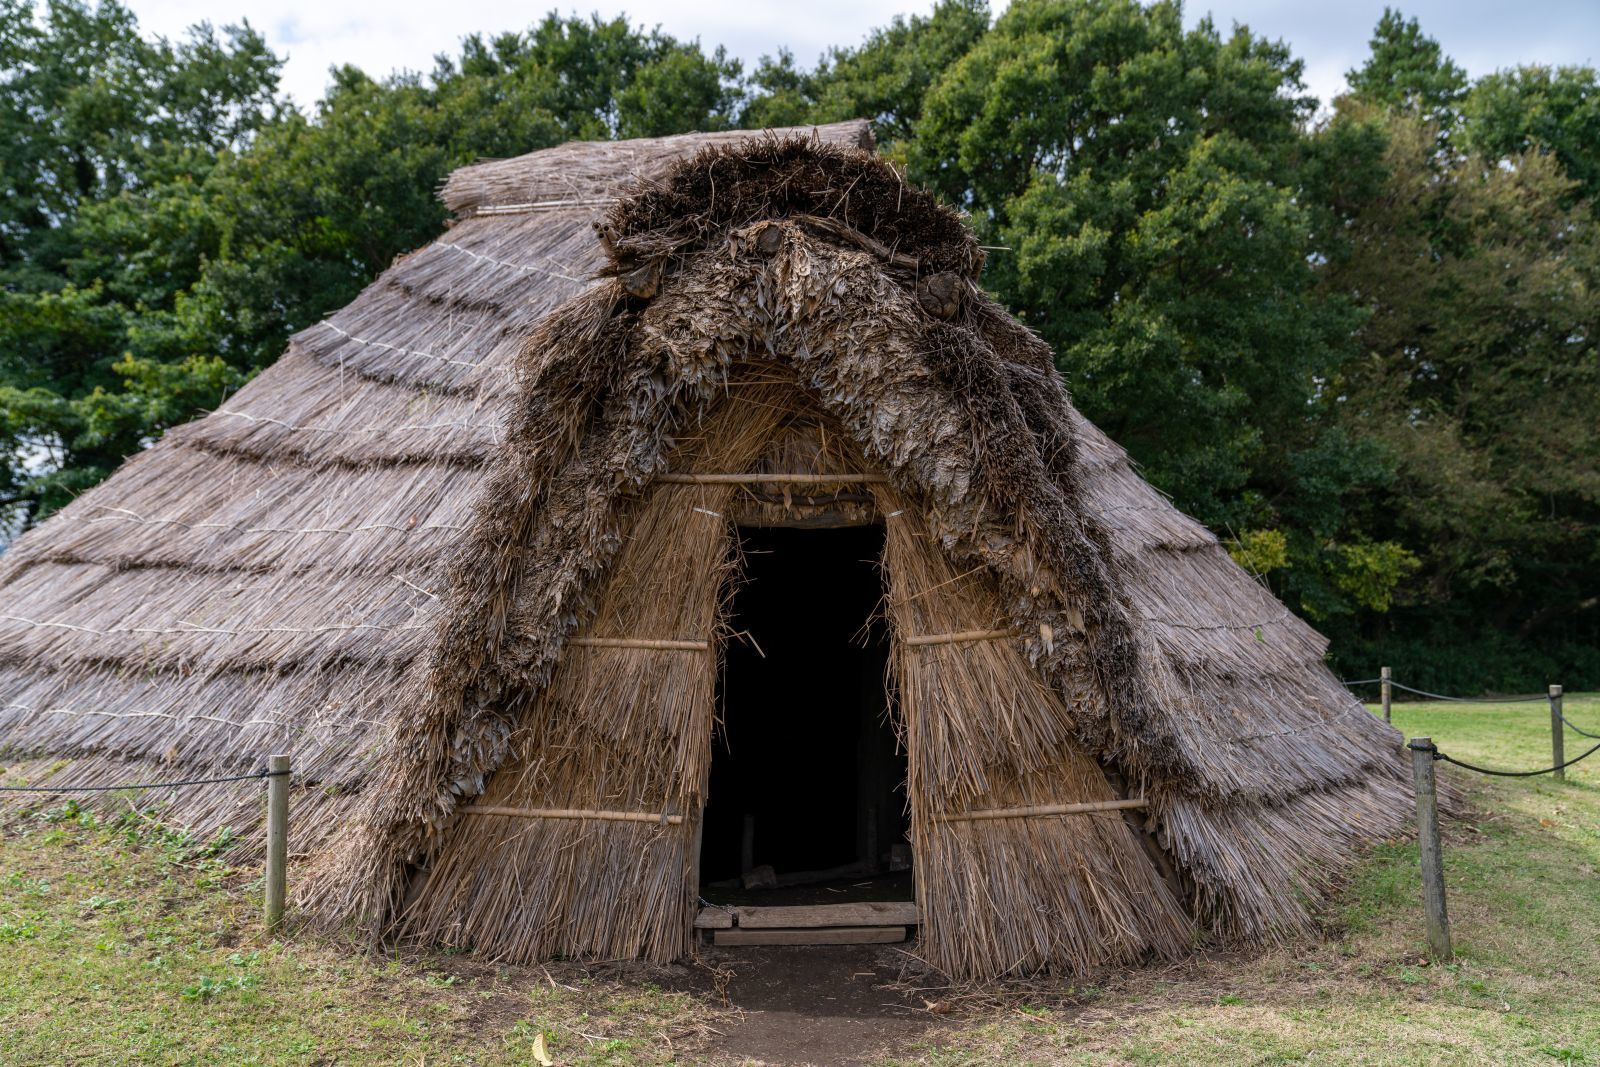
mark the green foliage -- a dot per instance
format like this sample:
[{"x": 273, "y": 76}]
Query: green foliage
[
  {"x": 1260, "y": 551},
  {"x": 1407, "y": 70},
  {"x": 1525, "y": 109},
  {"x": 885, "y": 78},
  {"x": 1369, "y": 572},
  {"x": 1477, "y": 362}
]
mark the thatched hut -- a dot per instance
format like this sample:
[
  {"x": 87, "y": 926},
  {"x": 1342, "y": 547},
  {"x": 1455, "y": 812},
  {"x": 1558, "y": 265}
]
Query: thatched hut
[{"x": 686, "y": 504}]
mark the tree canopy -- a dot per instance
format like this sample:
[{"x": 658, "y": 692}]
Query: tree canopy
[{"x": 1358, "y": 340}]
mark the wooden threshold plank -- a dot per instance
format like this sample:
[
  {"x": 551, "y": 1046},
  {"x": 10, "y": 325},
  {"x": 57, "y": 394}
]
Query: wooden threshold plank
[
  {"x": 820, "y": 935},
  {"x": 859, "y": 913},
  {"x": 713, "y": 919}
]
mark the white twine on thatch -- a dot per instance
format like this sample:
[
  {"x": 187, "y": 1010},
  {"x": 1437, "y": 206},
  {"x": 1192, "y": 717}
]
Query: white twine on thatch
[
  {"x": 398, "y": 350},
  {"x": 1217, "y": 626},
  {"x": 525, "y": 267},
  {"x": 217, "y": 630},
  {"x": 130, "y": 516},
  {"x": 459, "y": 424},
  {"x": 409, "y": 584},
  {"x": 543, "y": 205},
  {"x": 324, "y": 724}
]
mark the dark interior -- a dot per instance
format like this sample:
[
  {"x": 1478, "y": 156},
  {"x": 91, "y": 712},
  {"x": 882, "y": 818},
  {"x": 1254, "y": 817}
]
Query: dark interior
[{"x": 806, "y": 776}]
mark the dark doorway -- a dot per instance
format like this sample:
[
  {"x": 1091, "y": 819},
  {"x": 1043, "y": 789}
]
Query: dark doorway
[{"x": 807, "y": 782}]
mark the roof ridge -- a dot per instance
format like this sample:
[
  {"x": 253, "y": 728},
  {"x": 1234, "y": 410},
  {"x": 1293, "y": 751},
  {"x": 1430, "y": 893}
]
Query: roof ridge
[{"x": 595, "y": 173}]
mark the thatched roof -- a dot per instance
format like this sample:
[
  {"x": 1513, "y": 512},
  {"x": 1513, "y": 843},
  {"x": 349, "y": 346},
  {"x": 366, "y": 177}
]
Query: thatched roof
[{"x": 379, "y": 553}]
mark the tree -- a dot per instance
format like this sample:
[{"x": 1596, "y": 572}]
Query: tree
[
  {"x": 1557, "y": 110},
  {"x": 91, "y": 113},
  {"x": 885, "y": 78},
  {"x": 1141, "y": 182},
  {"x": 1478, "y": 372},
  {"x": 1408, "y": 71}
]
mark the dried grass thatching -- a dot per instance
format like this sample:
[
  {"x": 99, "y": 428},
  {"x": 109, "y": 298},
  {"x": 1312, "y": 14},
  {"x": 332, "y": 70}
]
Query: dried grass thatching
[{"x": 410, "y": 551}]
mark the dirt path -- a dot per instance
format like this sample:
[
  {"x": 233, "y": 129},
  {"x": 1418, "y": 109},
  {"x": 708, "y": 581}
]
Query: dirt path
[{"x": 823, "y": 1006}]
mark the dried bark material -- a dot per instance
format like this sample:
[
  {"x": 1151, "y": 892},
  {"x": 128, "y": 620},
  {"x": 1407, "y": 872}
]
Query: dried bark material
[{"x": 940, "y": 294}]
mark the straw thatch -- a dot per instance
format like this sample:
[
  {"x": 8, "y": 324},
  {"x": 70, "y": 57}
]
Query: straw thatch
[{"x": 446, "y": 551}]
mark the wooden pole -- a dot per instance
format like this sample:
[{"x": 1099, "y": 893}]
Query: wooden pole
[
  {"x": 572, "y": 813},
  {"x": 1558, "y": 737},
  {"x": 1384, "y": 687},
  {"x": 277, "y": 839},
  {"x": 1428, "y": 852},
  {"x": 1087, "y": 808}
]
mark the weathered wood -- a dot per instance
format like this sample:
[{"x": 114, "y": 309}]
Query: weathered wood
[
  {"x": 771, "y": 479},
  {"x": 640, "y": 642},
  {"x": 835, "y": 228},
  {"x": 1383, "y": 687},
  {"x": 277, "y": 840},
  {"x": 941, "y": 294},
  {"x": 838, "y": 935},
  {"x": 713, "y": 919},
  {"x": 959, "y": 635},
  {"x": 572, "y": 813},
  {"x": 1433, "y": 905},
  {"x": 1086, "y": 808},
  {"x": 1558, "y": 736},
  {"x": 855, "y": 913},
  {"x": 692, "y": 905}
]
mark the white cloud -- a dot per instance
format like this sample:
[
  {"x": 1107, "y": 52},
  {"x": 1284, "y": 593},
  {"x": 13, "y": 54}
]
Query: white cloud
[
  {"x": 407, "y": 34},
  {"x": 1481, "y": 35}
]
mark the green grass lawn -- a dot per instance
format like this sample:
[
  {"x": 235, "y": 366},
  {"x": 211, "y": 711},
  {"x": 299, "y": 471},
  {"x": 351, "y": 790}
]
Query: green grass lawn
[{"x": 123, "y": 943}]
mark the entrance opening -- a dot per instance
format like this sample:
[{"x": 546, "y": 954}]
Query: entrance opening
[{"x": 807, "y": 792}]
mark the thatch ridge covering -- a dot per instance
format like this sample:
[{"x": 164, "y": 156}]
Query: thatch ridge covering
[{"x": 760, "y": 287}]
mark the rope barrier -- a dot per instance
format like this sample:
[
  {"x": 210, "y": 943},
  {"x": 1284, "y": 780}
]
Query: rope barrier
[
  {"x": 1468, "y": 700},
  {"x": 138, "y": 785},
  {"x": 1437, "y": 755},
  {"x": 1578, "y": 730}
]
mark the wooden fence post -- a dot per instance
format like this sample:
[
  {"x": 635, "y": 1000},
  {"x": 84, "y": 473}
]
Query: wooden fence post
[
  {"x": 277, "y": 839},
  {"x": 1422, "y": 751},
  {"x": 1384, "y": 688},
  {"x": 1558, "y": 738}
]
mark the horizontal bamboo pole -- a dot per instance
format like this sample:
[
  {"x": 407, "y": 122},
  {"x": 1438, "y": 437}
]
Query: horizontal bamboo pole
[
  {"x": 573, "y": 813},
  {"x": 772, "y": 479},
  {"x": 1044, "y": 809},
  {"x": 960, "y": 635},
  {"x": 640, "y": 642}
]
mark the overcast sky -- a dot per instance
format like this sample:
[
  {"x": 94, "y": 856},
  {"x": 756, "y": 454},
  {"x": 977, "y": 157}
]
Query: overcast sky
[{"x": 1330, "y": 35}]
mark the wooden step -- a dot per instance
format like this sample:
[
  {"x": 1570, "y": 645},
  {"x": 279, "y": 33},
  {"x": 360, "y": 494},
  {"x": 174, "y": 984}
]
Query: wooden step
[
  {"x": 863, "y": 913},
  {"x": 816, "y": 935},
  {"x": 802, "y": 916}
]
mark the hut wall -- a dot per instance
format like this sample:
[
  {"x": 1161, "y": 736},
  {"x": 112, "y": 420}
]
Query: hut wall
[
  {"x": 983, "y": 732},
  {"x": 618, "y": 729}
]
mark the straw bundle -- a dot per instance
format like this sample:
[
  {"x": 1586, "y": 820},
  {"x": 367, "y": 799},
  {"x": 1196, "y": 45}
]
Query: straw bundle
[
  {"x": 1013, "y": 895},
  {"x": 433, "y": 538}
]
